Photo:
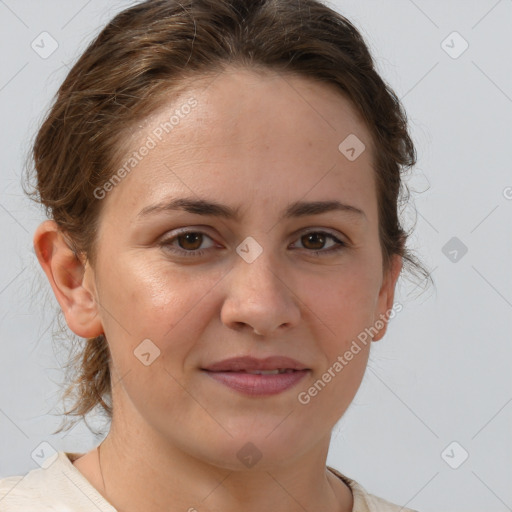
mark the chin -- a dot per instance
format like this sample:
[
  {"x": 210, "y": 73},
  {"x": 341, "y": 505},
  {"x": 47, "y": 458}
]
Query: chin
[{"x": 257, "y": 449}]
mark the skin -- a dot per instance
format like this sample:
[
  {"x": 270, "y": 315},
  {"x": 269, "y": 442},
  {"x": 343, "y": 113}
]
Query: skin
[{"x": 258, "y": 142}]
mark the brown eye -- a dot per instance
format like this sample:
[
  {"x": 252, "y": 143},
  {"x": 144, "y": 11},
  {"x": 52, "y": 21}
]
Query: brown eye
[
  {"x": 313, "y": 240},
  {"x": 190, "y": 241}
]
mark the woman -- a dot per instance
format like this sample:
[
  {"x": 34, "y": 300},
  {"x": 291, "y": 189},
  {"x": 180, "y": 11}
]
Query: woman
[{"x": 222, "y": 181}]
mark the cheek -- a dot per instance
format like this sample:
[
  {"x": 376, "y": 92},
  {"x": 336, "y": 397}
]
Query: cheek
[
  {"x": 344, "y": 302},
  {"x": 158, "y": 302},
  {"x": 341, "y": 308},
  {"x": 154, "y": 300},
  {"x": 146, "y": 291}
]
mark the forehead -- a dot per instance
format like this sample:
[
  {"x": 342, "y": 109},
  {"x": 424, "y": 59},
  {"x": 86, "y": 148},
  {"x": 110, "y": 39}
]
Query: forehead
[
  {"x": 246, "y": 130},
  {"x": 239, "y": 100}
]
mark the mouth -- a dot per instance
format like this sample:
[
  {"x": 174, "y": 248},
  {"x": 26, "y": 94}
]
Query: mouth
[
  {"x": 258, "y": 377},
  {"x": 260, "y": 372},
  {"x": 259, "y": 383},
  {"x": 249, "y": 364}
]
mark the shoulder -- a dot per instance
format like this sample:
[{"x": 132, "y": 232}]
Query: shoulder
[
  {"x": 19, "y": 493},
  {"x": 57, "y": 487},
  {"x": 366, "y": 502}
]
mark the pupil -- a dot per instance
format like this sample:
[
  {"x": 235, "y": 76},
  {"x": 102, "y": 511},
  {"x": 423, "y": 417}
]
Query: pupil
[
  {"x": 189, "y": 238},
  {"x": 315, "y": 236},
  {"x": 316, "y": 239}
]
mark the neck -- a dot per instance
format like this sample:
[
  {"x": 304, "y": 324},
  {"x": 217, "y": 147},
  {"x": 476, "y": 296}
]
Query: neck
[{"x": 135, "y": 478}]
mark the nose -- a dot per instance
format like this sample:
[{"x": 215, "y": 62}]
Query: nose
[{"x": 259, "y": 299}]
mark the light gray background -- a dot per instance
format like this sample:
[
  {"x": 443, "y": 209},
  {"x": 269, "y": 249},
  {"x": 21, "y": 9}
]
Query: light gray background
[{"x": 442, "y": 373}]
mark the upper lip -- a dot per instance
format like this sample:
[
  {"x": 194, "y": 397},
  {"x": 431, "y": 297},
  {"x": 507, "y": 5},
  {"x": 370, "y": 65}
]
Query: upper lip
[{"x": 248, "y": 363}]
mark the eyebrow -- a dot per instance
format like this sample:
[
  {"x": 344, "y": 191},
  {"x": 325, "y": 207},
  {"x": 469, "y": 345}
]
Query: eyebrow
[{"x": 213, "y": 208}]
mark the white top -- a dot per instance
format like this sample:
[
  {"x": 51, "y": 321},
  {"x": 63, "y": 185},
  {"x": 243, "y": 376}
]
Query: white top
[{"x": 58, "y": 486}]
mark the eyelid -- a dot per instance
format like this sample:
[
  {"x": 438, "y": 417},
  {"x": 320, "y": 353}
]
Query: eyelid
[
  {"x": 326, "y": 231},
  {"x": 301, "y": 232},
  {"x": 339, "y": 243},
  {"x": 166, "y": 240}
]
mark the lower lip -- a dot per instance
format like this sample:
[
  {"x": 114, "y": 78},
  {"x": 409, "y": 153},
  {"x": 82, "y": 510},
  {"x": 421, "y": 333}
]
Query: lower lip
[{"x": 259, "y": 385}]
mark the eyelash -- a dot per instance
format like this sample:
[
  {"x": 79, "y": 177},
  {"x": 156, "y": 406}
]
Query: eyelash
[{"x": 200, "y": 252}]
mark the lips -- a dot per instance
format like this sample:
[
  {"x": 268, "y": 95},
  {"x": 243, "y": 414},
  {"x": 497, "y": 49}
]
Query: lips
[
  {"x": 275, "y": 364},
  {"x": 258, "y": 377}
]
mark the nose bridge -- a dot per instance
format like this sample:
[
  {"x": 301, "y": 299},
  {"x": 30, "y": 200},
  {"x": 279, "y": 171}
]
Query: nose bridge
[
  {"x": 256, "y": 269},
  {"x": 257, "y": 293}
]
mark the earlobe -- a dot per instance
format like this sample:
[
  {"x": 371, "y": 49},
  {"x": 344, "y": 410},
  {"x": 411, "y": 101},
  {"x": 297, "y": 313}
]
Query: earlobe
[
  {"x": 66, "y": 274},
  {"x": 386, "y": 296}
]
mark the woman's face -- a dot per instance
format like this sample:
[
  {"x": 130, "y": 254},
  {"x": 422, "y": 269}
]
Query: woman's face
[{"x": 254, "y": 284}]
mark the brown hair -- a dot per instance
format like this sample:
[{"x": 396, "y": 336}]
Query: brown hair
[{"x": 158, "y": 47}]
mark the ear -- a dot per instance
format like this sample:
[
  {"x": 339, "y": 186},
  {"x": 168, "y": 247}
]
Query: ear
[
  {"x": 71, "y": 281},
  {"x": 386, "y": 296}
]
